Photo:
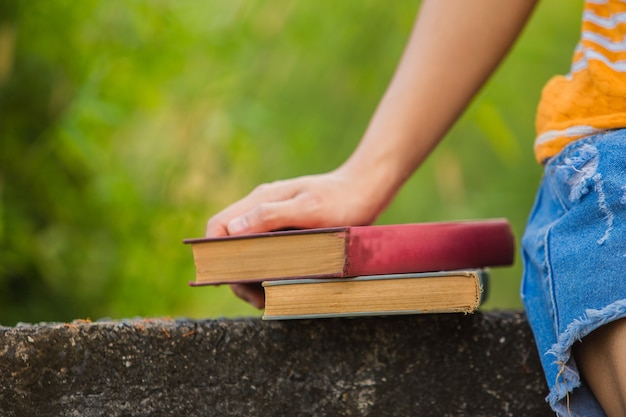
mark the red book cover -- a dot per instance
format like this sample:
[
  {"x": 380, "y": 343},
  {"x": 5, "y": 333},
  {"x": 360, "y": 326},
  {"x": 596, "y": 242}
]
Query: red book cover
[
  {"x": 426, "y": 247},
  {"x": 354, "y": 251}
]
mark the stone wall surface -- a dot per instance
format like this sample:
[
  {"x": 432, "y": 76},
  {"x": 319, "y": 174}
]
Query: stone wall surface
[{"x": 424, "y": 365}]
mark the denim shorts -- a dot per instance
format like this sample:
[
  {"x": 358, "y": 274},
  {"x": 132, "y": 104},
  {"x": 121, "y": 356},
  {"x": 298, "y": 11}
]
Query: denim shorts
[{"x": 574, "y": 253}]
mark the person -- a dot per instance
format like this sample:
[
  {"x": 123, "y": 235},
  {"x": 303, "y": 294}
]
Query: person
[{"x": 574, "y": 246}]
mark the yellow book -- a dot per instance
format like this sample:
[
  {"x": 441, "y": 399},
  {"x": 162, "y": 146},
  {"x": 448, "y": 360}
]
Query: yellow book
[{"x": 433, "y": 292}]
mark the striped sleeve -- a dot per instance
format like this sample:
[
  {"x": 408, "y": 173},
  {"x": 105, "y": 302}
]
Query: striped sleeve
[{"x": 591, "y": 98}]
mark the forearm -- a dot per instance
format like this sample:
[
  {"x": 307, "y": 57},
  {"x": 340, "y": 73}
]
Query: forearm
[{"x": 454, "y": 47}]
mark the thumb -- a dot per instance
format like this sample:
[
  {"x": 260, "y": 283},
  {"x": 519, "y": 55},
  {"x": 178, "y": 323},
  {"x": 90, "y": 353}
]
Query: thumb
[
  {"x": 272, "y": 216},
  {"x": 239, "y": 226}
]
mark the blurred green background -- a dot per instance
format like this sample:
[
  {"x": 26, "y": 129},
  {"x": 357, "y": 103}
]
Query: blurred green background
[{"x": 124, "y": 125}]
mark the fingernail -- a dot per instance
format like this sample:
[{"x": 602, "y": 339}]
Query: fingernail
[{"x": 238, "y": 226}]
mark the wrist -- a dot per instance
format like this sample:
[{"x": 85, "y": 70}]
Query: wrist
[{"x": 376, "y": 183}]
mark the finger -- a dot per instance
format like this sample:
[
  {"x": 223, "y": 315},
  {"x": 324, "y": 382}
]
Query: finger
[
  {"x": 215, "y": 228},
  {"x": 217, "y": 225},
  {"x": 251, "y": 293},
  {"x": 265, "y": 193},
  {"x": 302, "y": 211}
]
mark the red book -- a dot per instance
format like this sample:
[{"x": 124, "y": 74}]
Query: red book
[{"x": 353, "y": 251}]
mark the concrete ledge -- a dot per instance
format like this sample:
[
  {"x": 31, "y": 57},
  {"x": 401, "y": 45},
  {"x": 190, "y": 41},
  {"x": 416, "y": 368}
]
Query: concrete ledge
[{"x": 431, "y": 365}]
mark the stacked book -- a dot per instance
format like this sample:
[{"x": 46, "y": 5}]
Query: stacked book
[{"x": 361, "y": 270}]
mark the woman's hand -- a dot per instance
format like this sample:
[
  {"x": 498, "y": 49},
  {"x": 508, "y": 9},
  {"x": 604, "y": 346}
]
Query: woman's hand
[{"x": 325, "y": 200}]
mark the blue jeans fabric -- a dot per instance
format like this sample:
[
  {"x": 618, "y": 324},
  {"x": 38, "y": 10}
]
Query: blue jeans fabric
[{"x": 574, "y": 253}]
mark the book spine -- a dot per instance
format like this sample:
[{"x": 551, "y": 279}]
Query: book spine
[{"x": 429, "y": 247}]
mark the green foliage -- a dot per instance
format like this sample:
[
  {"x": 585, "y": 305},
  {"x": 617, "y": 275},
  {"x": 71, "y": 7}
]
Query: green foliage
[{"x": 125, "y": 125}]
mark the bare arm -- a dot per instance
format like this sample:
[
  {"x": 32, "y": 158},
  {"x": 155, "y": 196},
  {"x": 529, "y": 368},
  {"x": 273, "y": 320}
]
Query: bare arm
[{"x": 454, "y": 47}]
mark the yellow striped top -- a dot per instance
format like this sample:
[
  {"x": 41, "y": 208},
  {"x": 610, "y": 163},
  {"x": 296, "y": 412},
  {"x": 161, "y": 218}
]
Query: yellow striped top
[{"x": 592, "y": 97}]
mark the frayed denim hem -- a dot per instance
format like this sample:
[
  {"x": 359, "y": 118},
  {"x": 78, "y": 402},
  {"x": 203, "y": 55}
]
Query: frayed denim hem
[{"x": 568, "y": 377}]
